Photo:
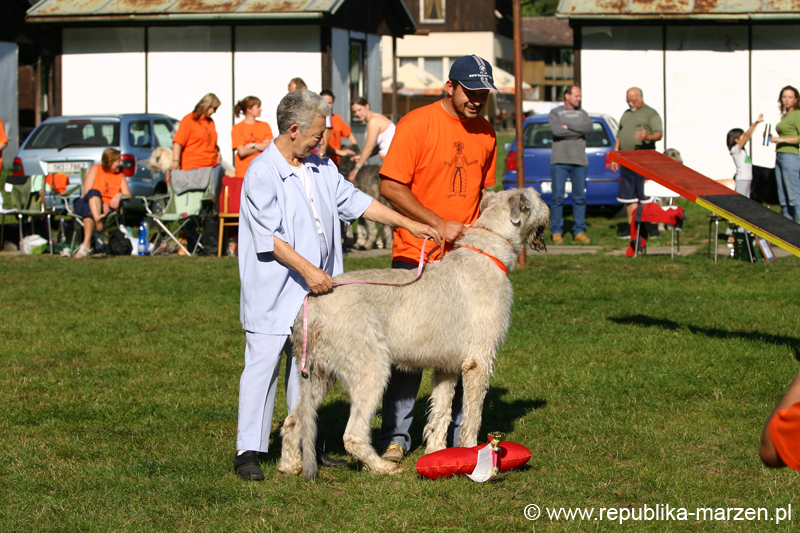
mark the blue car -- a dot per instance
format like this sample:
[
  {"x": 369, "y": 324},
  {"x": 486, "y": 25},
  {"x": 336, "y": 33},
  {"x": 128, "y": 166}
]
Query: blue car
[{"x": 602, "y": 184}]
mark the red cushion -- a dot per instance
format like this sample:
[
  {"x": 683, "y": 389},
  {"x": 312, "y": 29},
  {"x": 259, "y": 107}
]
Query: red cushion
[
  {"x": 234, "y": 186},
  {"x": 462, "y": 461}
]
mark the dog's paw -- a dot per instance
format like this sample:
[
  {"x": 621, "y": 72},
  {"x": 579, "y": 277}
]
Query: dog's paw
[
  {"x": 386, "y": 467},
  {"x": 290, "y": 468}
]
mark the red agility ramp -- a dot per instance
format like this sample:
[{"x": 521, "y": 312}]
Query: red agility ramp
[{"x": 715, "y": 197}]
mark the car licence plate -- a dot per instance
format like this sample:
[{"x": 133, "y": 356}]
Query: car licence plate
[
  {"x": 547, "y": 187},
  {"x": 68, "y": 167}
]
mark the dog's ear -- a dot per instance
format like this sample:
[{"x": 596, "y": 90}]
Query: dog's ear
[
  {"x": 486, "y": 200},
  {"x": 514, "y": 203}
]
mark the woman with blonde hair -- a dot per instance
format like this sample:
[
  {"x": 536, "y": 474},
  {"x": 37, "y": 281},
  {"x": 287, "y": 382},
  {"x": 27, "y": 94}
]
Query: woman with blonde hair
[
  {"x": 249, "y": 137},
  {"x": 380, "y": 131},
  {"x": 195, "y": 143},
  {"x": 103, "y": 189}
]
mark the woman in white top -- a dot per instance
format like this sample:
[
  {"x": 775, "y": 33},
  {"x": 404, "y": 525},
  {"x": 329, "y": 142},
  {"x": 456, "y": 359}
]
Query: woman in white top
[
  {"x": 380, "y": 131},
  {"x": 737, "y": 139}
]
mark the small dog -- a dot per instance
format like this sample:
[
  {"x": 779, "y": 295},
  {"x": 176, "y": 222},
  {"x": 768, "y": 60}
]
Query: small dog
[
  {"x": 160, "y": 159},
  {"x": 452, "y": 319}
]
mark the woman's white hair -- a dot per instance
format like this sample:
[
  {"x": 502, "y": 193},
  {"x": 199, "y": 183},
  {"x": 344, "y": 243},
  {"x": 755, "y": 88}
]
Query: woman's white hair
[{"x": 301, "y": 108}]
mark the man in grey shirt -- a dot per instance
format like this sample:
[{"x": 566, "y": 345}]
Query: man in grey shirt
[{"x": 569, "y": 124}]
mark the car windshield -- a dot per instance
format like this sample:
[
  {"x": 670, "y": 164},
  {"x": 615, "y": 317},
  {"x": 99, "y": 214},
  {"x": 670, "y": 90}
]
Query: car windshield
[
  {"x": 538, "y": 135},
  {"x": 60, "y": 135}
]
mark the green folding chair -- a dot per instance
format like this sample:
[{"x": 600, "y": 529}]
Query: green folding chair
[{"x": 190, "y": 198}]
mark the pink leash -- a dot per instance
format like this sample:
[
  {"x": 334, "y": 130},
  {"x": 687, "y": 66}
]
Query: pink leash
[{"x": 422, "y": 261}]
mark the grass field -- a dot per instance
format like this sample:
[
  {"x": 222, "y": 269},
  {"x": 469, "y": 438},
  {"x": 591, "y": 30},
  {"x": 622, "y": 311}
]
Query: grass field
[{"x": 632, "y": 381}]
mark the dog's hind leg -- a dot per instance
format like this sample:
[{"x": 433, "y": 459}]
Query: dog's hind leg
[
  {"x": 440, "y": 412},
  {"x": 475, "y": 374},
  {"x": 364, "y": 397},
  {"x": 372, "y": 235}
]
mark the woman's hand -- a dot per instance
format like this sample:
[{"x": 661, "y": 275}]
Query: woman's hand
[
  {"x": 345, "y": 152},
  {"x": 176, "y": 165},
  {"x": 352, "y": 176},
  {"x": 317, "y": 280},
  {"x": 420, "y": 231}
]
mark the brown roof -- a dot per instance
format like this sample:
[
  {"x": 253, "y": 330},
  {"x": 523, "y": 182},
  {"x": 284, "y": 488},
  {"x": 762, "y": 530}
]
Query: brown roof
[
  {"x": 546, "y": 31},
  {"x": 686, "y": 9}
]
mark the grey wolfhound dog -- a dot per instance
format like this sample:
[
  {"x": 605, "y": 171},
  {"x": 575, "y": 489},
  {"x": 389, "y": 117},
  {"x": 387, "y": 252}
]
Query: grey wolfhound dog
[
  {"x": 368, "y": 181},
  {"x": 452, "y": 319}
]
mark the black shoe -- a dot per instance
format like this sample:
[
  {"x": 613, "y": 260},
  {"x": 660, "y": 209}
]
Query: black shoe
[
  {"x": 246, "y": 467},
  {"x": 324, "y": 460}
]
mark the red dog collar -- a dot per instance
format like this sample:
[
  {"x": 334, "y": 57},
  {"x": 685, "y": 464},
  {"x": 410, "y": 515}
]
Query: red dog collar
[{"x": 497, "y": 262}]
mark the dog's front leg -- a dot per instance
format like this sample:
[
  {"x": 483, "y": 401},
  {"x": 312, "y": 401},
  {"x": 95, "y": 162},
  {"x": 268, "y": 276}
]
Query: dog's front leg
[
  {"x": 475, "y": 376},
  {"x": 435, "y": 433}
]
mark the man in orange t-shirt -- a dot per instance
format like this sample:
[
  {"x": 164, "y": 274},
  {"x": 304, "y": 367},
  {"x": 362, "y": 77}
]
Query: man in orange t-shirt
[
  {"x": 3, "y": 142},
  {"x": 339, "y": 130},
  {"x": 441, "y": 159},
  {"x": 780, "y": 441}
]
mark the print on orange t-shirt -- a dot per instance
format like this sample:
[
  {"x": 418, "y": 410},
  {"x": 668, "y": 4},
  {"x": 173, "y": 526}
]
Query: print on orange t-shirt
[
  {"x": 3, "y": 139},
  {"x": 784, "y": 430},
  {"x": 244, "y": 133},
  {"x": 339, "y": 131},
  {"x": 446, "y": 163},
  {"x": 107, "y": 184},
  {"x": 199, "y": 141}
]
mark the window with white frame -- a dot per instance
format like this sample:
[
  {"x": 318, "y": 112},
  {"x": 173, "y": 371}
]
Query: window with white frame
[
  {"x": 435, "y": 66},
  {"x": 431, "y": 10}
]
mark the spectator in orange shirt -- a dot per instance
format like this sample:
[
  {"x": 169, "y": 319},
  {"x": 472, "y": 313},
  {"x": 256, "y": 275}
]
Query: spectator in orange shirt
[
  {"x": 339, "y": 130},
  {"x": 780, "y": 442},
  {"x": 3, "y": 142},
  {"x": 249, "y": 137},
  {"x": 195, "y": 143},
  {"x": 103, "y": 189}
]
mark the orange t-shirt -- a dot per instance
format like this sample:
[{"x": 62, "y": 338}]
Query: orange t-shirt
[
  {"x": 244, "y": 133},
  {"x": 339, "y": 131},
  {"x": 784, "y": 430},
  {"x": 446, "y": 162},
  {"x": 107, "y": 184},
  {"x": 199, "y": 141},
  {"x": 3, "y": 139},
  {"x": 57, "y": 181}
]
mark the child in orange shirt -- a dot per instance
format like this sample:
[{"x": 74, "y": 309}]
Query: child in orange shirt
[
  {"x": 103, "y": 189},
  {"x": 249, "y": 137},
  {"x": 780, "y": 442}
]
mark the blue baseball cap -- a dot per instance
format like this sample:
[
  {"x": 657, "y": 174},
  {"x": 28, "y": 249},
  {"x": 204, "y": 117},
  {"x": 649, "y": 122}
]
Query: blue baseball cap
[{"x": 473, "y": 73}]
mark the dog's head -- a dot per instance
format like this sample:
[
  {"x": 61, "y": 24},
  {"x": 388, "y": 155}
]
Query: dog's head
[
  {"x": 346, "y": 162},
  {"x": 519, "y": 215},
  {"x": 160, "y": 159}
]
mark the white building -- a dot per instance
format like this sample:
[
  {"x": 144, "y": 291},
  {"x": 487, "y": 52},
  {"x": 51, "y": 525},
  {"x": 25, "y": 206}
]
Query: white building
[
  {"x": 120, "y": 57},
  {"x": 705, "y": 67}
]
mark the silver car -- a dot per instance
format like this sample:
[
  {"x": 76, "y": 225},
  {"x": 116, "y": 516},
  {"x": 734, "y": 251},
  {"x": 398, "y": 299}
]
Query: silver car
[{"x": 72, "y": 144}]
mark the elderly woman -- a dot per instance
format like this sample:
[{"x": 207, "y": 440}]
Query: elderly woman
[{"x": 289, "y": 244}]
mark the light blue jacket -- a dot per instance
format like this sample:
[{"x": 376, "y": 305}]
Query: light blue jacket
[{"x": 274, "y": 204}]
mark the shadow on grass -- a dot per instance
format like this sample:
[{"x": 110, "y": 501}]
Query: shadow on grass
[
  {"x": 498, "y": 415},
  {"x": 646, "y": 321}
]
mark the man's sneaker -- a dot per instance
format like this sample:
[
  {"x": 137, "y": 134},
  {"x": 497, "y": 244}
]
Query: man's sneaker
[
  {"x": 557, "y": 238},
  {"x": 246, "y": 466},
  {"x": 582, "y": 238},
  {"x": 393, "y": 453},
  {"x": 83, "y": 251}
]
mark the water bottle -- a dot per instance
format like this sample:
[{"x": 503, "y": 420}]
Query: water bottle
[{"x": 143, "y": 238}]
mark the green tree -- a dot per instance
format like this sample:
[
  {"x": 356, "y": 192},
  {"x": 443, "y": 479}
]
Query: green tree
[{"x": 539, "y": 8}]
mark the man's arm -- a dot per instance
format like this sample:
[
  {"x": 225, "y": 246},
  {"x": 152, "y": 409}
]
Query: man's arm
[
  {"x": 404, "y": 201},
  {"x": 769, "y": 455}
]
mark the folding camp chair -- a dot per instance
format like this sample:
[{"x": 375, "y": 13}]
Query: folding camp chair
[
  {"x": 190, "y": 198},
  {"x": 30, "y": 199}
]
